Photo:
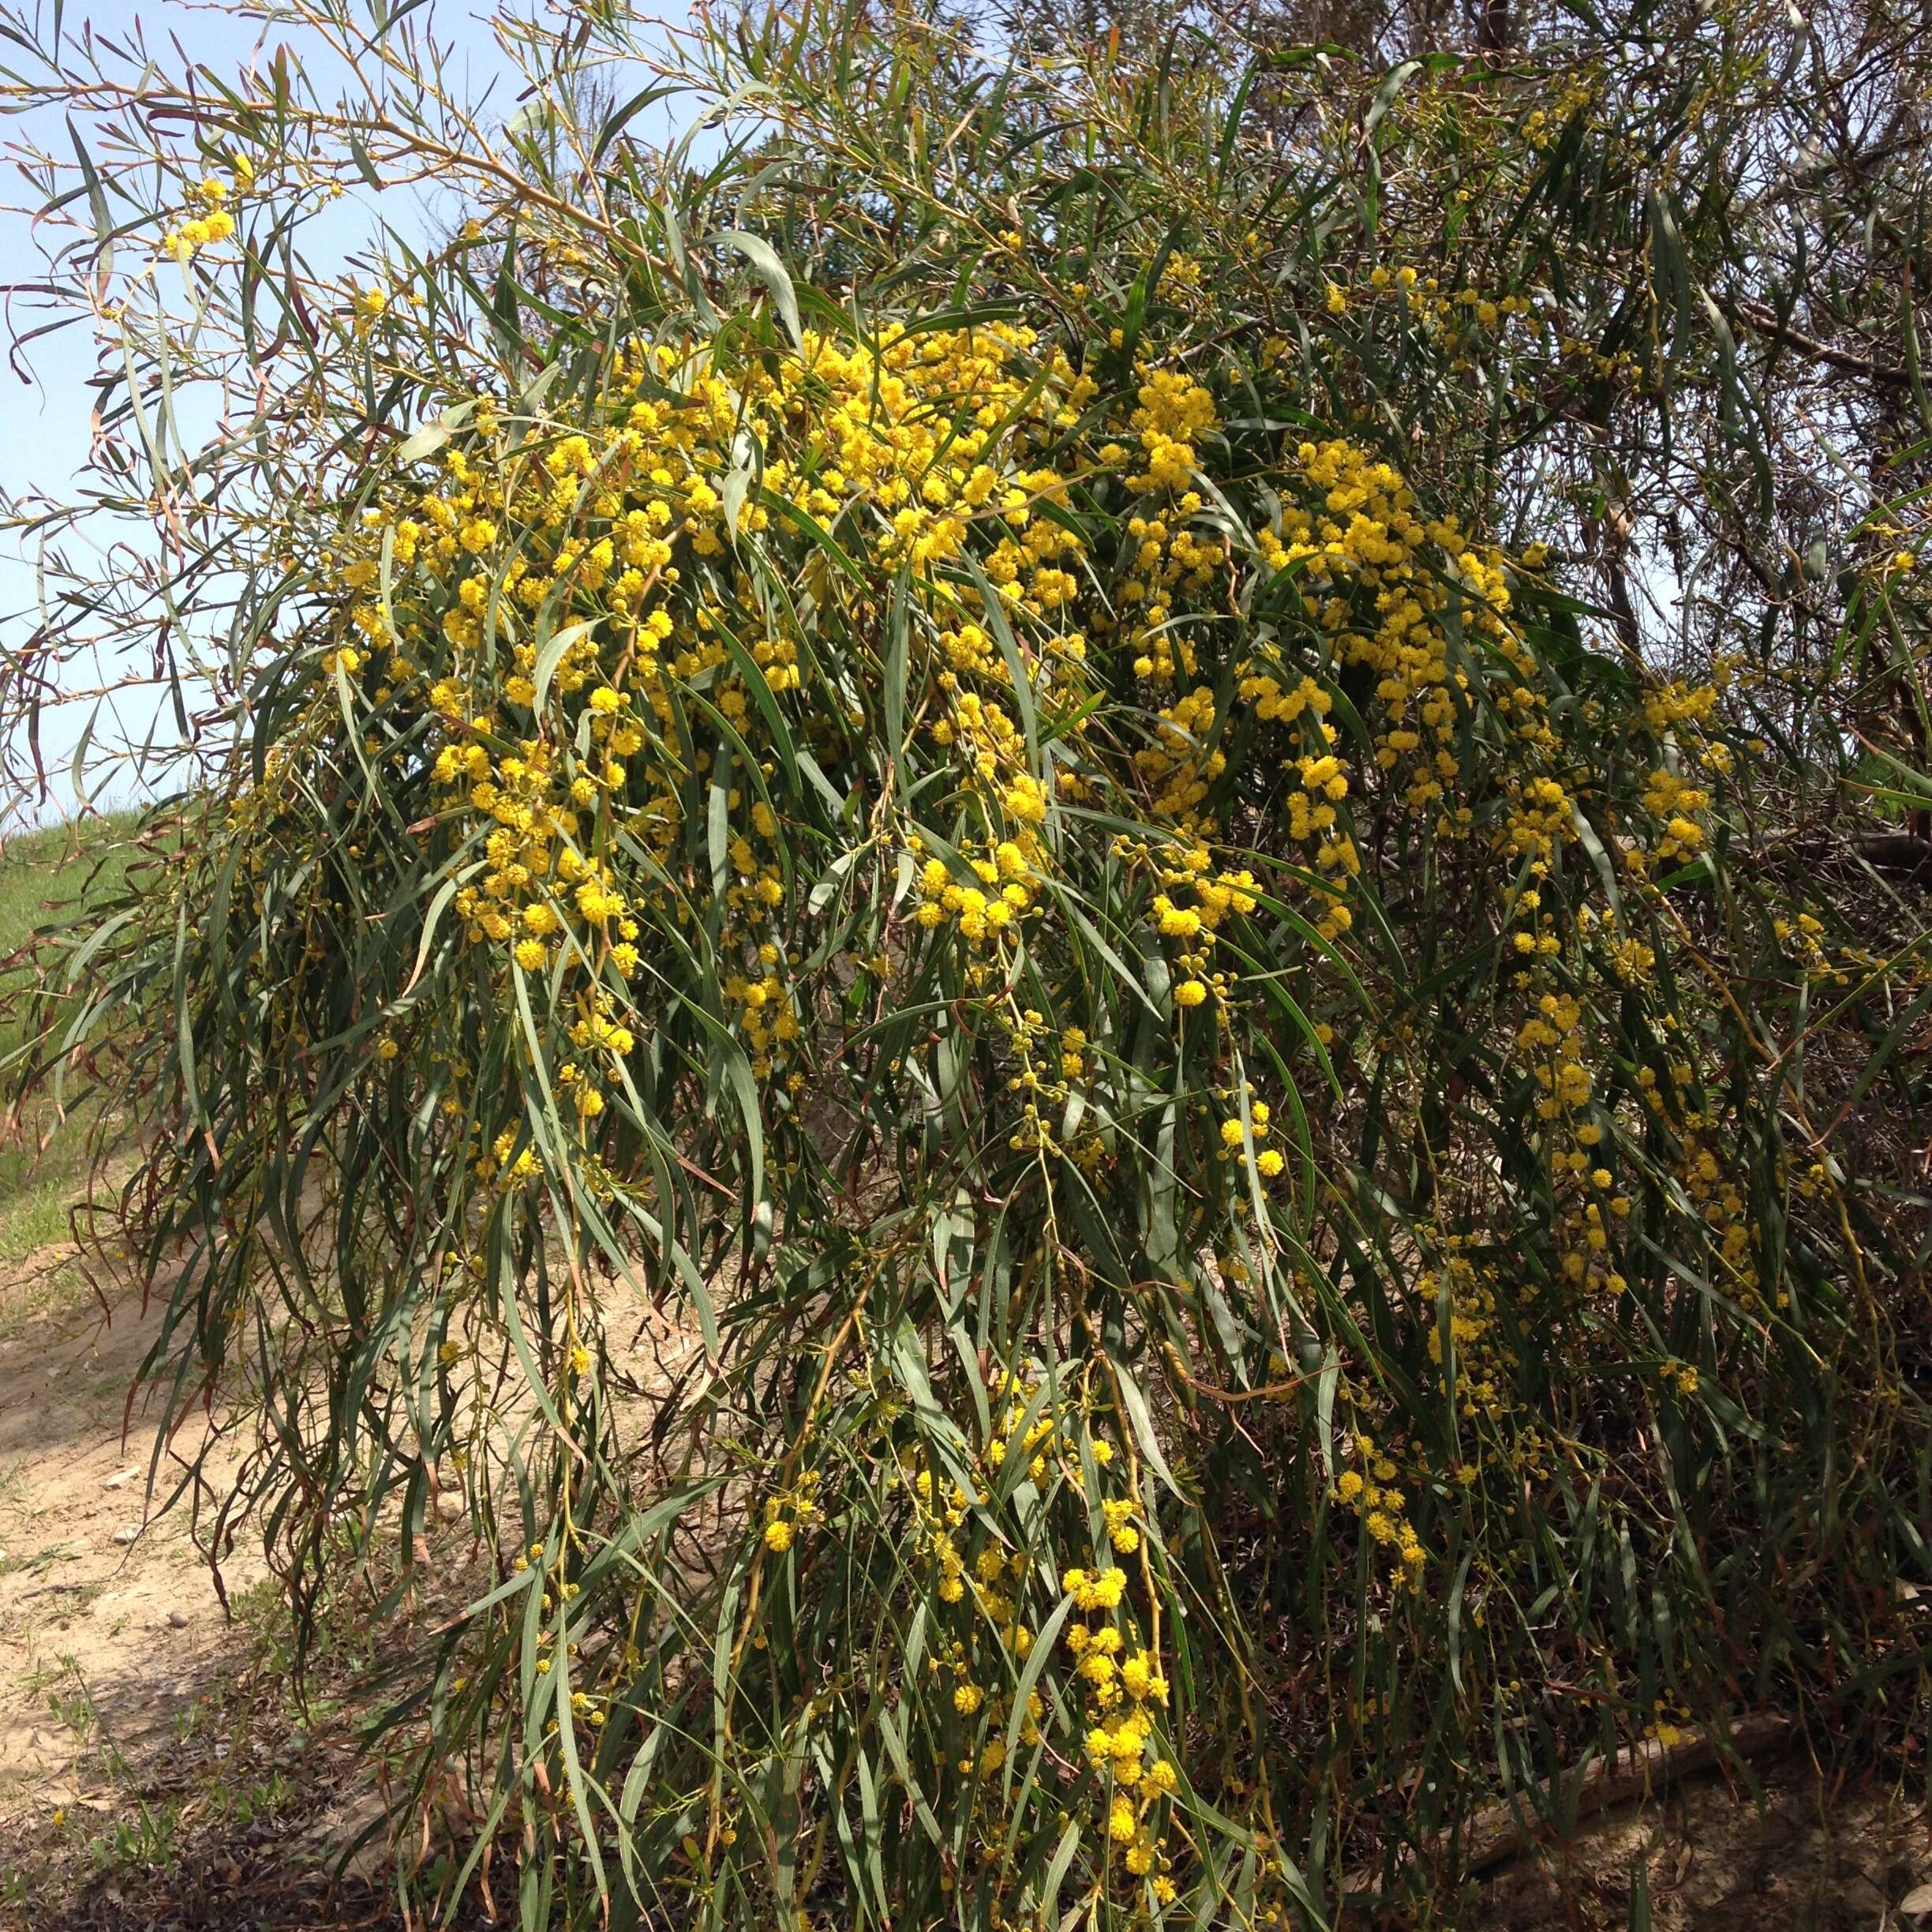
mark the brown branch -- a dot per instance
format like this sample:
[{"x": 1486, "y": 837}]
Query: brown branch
[
  {"x": 1903, "y": 855},
  {"x": 1501, "y": 1831},
  {"x": 1756, "y": 316}
]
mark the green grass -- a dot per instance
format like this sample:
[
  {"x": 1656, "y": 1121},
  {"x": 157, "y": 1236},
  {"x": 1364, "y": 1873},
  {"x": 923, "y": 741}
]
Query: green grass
[
  {"x": 43, "y": 876},
  {"x": 42, "y": 872}
]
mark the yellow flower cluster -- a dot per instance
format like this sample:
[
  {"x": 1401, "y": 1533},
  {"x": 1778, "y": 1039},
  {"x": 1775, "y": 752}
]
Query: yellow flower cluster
[
  {"x": 214, "y": 224},
  {"x": 794, "y": 1509},
  {"x": 1381, "y": 1505},
  {"x": 1125, "y": 1689},
  {"x": 564, "y": 611}
]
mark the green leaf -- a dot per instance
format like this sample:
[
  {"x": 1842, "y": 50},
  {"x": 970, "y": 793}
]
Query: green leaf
[
  {"x": 550, "y": 652},
  {"x": 764, "y": 259}
]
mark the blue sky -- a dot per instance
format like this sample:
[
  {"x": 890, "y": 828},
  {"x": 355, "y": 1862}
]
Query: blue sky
[
  {"x": 46, "y": 414},
  {"x": 46, "y": 418}
]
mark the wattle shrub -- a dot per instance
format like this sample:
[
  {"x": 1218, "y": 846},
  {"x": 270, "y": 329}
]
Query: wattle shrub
[{"x": 918, "y": 748}]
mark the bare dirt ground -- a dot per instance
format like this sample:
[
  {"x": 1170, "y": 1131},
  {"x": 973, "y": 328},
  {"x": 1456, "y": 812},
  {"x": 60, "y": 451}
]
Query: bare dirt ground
[
  {"x": 159, "y": 1771},
  {"x": 96, "y": 1603},
  {"x": 160, "y": 1766},
  {"x": 1705, "y": 1856}
]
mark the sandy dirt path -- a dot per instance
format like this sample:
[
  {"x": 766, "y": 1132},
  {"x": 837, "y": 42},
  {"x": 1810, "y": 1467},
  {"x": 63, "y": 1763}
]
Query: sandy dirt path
[{"x": 97, "y": 1601}]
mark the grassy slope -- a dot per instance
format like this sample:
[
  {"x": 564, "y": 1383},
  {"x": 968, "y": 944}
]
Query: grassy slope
[{"x": 42, "y": 875}]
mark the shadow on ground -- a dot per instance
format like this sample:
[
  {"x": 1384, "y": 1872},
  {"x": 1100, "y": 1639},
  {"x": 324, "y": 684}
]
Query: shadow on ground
[{"x": 1801, "y": 1854}]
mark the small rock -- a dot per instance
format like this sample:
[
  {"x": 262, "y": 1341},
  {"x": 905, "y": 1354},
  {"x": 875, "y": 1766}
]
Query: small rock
[
  {"x": 125, "y": 1536},
  {"x": 451, "y": 1508},
  {"x": 177, "y": 1620},
  {"x": 121, "y": 1481}
]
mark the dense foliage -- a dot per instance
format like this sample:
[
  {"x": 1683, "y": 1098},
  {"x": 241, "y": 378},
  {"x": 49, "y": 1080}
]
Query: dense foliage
[{"x": 956, "y": 738}]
